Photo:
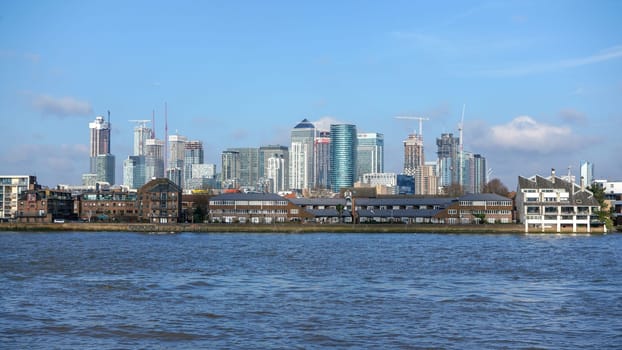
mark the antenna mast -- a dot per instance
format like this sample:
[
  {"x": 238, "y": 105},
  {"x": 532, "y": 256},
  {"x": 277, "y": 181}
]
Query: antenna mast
[
  {"x": 460, "y": 127},
  {"x": 165, "y": 137}
]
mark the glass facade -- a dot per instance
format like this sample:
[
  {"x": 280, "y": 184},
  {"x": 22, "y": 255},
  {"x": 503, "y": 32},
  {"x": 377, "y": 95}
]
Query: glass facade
[{"x": 343, "y": 145}]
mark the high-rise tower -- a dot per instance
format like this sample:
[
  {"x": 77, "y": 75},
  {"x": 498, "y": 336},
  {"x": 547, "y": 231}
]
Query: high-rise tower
[
  {"x": 101, "y": 162},
  {"x": 301, "y": 156},
  {"x": 343, "y": 144},
  {"x": 369, "y": 154}
]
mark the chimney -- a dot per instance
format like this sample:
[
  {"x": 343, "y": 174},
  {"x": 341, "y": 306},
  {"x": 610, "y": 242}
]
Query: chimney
[{"x": 553, "y": 175}]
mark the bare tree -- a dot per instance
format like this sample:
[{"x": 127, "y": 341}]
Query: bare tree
[{"x": 496, "y": 186}]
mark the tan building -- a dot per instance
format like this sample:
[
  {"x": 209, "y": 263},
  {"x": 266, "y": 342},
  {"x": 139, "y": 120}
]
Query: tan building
[
  {"x": 473, "y": 208},
  {"x": 159, "y": 201},
  {"x": 264, "y": 208}
]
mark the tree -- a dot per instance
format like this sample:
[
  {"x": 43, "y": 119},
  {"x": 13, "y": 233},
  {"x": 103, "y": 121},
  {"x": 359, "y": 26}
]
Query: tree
[
  {"x": 453, "y": 190},
  {"x": 496, "y": 186},
  {"x": 603, "y": 215},
  {"x": 340, "y": 208}
]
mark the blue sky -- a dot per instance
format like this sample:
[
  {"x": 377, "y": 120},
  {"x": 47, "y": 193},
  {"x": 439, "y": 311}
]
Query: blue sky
[{"x": 541, "y": 80}]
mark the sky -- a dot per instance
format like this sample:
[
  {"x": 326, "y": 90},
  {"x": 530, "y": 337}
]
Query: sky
[{"x": 540, "y": 82}]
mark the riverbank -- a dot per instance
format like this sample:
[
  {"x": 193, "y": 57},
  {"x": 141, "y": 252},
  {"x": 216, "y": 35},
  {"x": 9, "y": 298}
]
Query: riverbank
[{"x": 275, "y": 228}]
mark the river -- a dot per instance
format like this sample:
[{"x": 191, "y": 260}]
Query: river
[{"x": 115, "y": 290}]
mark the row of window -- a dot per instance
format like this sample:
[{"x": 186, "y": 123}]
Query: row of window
[
  {"x": 249, "y": 203},
  {"x": 250, "y": 211}
]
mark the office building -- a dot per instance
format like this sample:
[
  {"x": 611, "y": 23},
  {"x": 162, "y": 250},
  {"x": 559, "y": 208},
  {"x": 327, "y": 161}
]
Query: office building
[
  {"x": 369, "y": 154},
  {"x": 322, "y": 160},
  {"x": 587, "y": 173},
  {"x": 448, "y": 148},
  {"x": 343, "y": 145}
]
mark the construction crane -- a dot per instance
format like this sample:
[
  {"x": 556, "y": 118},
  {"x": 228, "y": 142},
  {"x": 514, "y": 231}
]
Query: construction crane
[
  {"x": 420, "y": 119},
  {"x": 141, "y": 122}
]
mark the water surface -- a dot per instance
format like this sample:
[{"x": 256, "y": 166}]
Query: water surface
[{"x": 228, "y": 291}]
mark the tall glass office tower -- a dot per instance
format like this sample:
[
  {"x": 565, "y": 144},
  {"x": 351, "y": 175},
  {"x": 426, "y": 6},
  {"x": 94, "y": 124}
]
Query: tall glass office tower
[
  {"x": 343, "y": 144},
  {"x": 370, "y": 154}
]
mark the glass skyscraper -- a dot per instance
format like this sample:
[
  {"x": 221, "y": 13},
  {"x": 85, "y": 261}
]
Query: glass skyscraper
[
  {"x": 343, "y": 145},
  {"x": 301, "y": 156},
  {"x": 369, "y": 154}
]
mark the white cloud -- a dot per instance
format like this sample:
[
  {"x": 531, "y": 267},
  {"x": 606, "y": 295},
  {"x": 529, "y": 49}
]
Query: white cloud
[
  {"x": 61, "y": 106},
  {"x": 325, "y": 122},
  {"x": 526, "y": 134}
]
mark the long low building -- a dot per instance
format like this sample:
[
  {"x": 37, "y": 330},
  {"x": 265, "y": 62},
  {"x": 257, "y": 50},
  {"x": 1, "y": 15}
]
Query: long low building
[{"x": 270, "y": 208}]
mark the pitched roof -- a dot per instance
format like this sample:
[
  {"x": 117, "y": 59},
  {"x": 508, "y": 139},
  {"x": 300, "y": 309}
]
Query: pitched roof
[
  {"x": 304, "y": 124},
  {"x": 247, "y": 197}
]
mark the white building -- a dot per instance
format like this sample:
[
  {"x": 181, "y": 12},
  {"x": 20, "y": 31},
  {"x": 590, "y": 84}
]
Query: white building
[
  {"x": 554, "y": 204},
  {"x": 11, "y": 186}
]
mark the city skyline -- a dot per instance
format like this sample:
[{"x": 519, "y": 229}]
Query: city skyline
[{"x": 542, "y": 83}]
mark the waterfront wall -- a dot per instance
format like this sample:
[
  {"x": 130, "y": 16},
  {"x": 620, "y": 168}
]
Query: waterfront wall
[{"x": 278, "y": 228}]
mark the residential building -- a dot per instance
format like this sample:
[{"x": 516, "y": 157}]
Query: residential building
[
  {"x": 554, "y": 204},
  {"x": 101, "y": 160},
  {"x": 175, "y": 168},
  {"x": 255, "y": 208},
  {"x": 448, "y": 159},
  {"x": 107, "y": 205},
  {"x": 301, "y": 156},
  {"x": 274, "y": 166},
  {"x": 11, "y": 187},
  {"x": 193, "y": 157},
  {"x": 230, "y": 169},
  {"x": 154, "y": 159},
  {"x": 343, "y": 145},
  {"x": 414, "y": 157},
  {"x": 479, "y": 208},
  {"x": 45, "y": 205},
  {"x": 159, "y": 201}
]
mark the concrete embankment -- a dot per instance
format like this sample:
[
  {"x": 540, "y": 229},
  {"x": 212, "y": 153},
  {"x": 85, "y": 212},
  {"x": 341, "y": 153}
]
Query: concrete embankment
[{"x": 255, "y": 228}]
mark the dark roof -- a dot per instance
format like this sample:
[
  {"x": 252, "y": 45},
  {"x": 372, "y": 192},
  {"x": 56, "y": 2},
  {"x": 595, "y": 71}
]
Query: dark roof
[
  {"x": 483, "y": 197},
  {"x": 404, "y": 201},
  {"x": 387, "y": 213},
  {"x": 247, "y": 197},
  {"x": 317, "y": 201},
  {"x": 304, "y": 124},
  {"x": 577, "y": 194},
  {"x": 160, "y": 185}
]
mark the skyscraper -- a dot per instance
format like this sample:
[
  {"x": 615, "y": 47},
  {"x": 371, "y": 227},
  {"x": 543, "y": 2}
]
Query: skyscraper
[
  {"x": 413, "y": 154},
  {"x": 230, "y": 175},
  {"x": 322, "y": 160},
  {"x": 154, "y": 159},
  {"x": 369, "y": 154},
  {"x": 175, "y": 170},
  {"x": 248, "y": 165},
  {"x": 587, "y": 173},
  {"x": 448, "y": 158},
  {"x": 343, "y": 145},
  {"x": 301, "y": 156},
  {"x": 274, "y": 166},
  {"x": 102, "y": 163},
  {"x": 193, "y": 156}
]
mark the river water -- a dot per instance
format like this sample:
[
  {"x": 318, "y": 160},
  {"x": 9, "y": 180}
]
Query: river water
[{"x": 110, "y": 290}]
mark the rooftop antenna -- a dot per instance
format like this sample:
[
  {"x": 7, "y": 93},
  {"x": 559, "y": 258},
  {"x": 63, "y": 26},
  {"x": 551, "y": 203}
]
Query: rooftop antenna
[{"x": 153, "y": 134}]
